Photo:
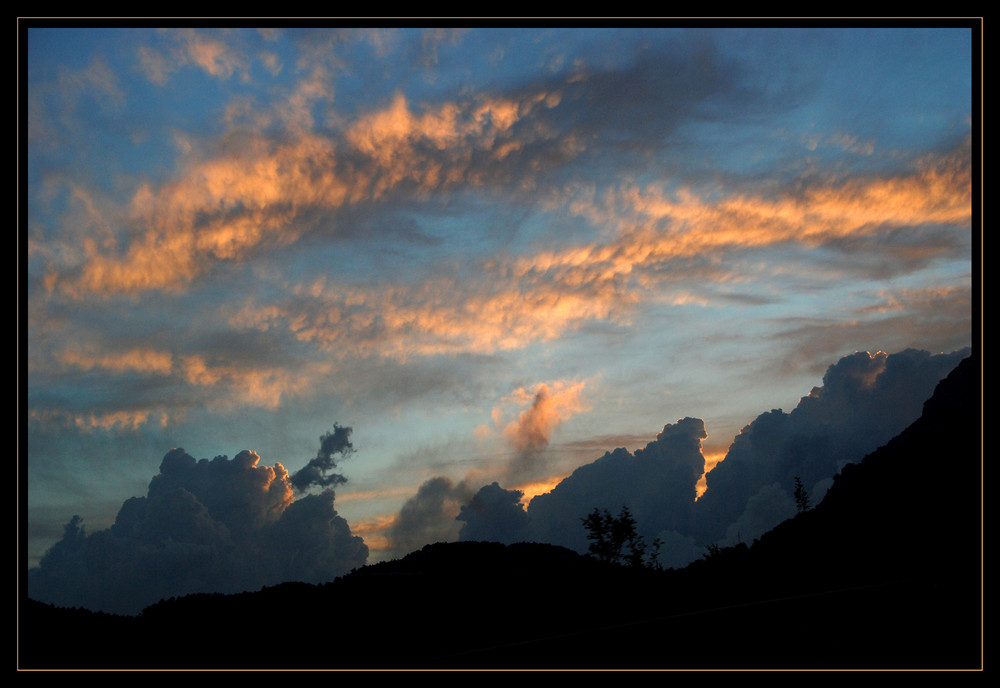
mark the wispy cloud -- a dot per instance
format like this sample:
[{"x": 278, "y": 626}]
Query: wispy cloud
[{"x": 209, "y": 52}]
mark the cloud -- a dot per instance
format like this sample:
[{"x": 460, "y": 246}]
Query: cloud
[
  {"x": 157, "y": 383},
  {"x": 771, "y": 505},
  {"x": 865, "y": 400},
  {"x": 445, "y": 510},
  {"x": 677, "y": 550},
  {"x": 529, "y": 435},
  {"x": 131, "y": 418},
  {"x": 494, "y": 514},
  {"x": 253, "y": 190},
  {"x": 428, "y": 516},
  {"x": 57, "y": 109},
  {"x": 938, "y": 317},
  {"x": 336, "y": 201},
  {"x": 156, "y": 66},
  {"x": 258, "y": 189},
  {"x": 220, "y": 525},
  {"x": 667, "y": 246},
  {"x": 145, "y": 360},
  {"x": 679, "y": 85},
  {"x": 189, "y": 47},
  {"x": 657, "y": 483},
  {"x": 317, "y": 471},
  {"x": 659, "y": 225},
  {"x": 267, "y": 185}
]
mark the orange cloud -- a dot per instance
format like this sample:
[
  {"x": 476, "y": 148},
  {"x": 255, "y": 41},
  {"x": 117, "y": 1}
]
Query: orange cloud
[
  {"x": 220, "y": 209},
  {"x": 207, "y": 52},
  {"x": 253, "y": 192},
  {"x": 227, "y": 207},
  {"x": 439, "y": 316},
  {"x": 433, "y": 149},
  {"x": 536, "y": 487},
  {"x": 711, "y": 461},
  {"x": 375, "y": 533},
  {"x": 211, "y": 54},
  {"x": 127, "y": 419},
  {"x": 135, "y": 360},
  {"x": 539, "y": 297},
  {"x": 550, "y": 406},
  {"x": 253, "y": 385},
  {"x": 656, "y": 228}
]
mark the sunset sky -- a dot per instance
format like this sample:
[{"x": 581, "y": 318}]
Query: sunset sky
[{"x": 494, "y": 254}]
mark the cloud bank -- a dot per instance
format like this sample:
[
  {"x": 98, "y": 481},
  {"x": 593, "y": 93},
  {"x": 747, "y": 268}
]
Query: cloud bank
[
  {"x": 228, "y": 525},
  {"x": 865, "y": 400},
  {"x": 220, "y": 525}
]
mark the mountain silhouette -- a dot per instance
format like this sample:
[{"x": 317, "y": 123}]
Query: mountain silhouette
[{"x": 885, "y": 572}]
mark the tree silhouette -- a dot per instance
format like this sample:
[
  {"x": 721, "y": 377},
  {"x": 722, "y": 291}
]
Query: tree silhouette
[
  {"x": 801, "y": 496},
  {"x": 614, "y": 539}
]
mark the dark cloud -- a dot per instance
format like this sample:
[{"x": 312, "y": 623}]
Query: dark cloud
[
  {"x": 866, "y": 399},
  {"x": 494, "y": 514},
  {"x": 658, "y": 483},
  {"x": 220, "y": 525},
  {"x": 428, "y": 516},
  {"x": 317, "y": 471},
  {"x": 314, "y": 542},
  {"x": 678, "y": 85}
]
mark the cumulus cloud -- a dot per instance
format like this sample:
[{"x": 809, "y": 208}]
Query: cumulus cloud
[
  {"x": 220, "y": 525},
  {"x": 428, "y": 516},
  {"x": 494, "y": 514},
  {"x": 865, "y": 400},
  {"x": 658, "y": 483},
  {"x": 667, "y": 469}
]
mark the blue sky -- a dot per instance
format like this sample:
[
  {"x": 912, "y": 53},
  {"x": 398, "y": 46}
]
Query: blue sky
[{"x": 238, "y": 238}]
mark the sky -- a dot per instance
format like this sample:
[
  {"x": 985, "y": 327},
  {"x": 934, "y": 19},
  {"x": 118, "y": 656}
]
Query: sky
[{"x": 385, "y": 268}]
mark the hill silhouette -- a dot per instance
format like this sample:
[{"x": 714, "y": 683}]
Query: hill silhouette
[{"x": 885, "y": 572}]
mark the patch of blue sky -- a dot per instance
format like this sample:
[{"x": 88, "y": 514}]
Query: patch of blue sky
[{"x": 899, "y": 86}]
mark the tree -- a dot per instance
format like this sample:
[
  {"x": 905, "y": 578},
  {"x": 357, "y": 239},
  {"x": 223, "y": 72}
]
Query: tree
[
  {"x": 614, "y": 539},
  {"x": 600, "y": 533},
  {"x": 801, "y": 496}
]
